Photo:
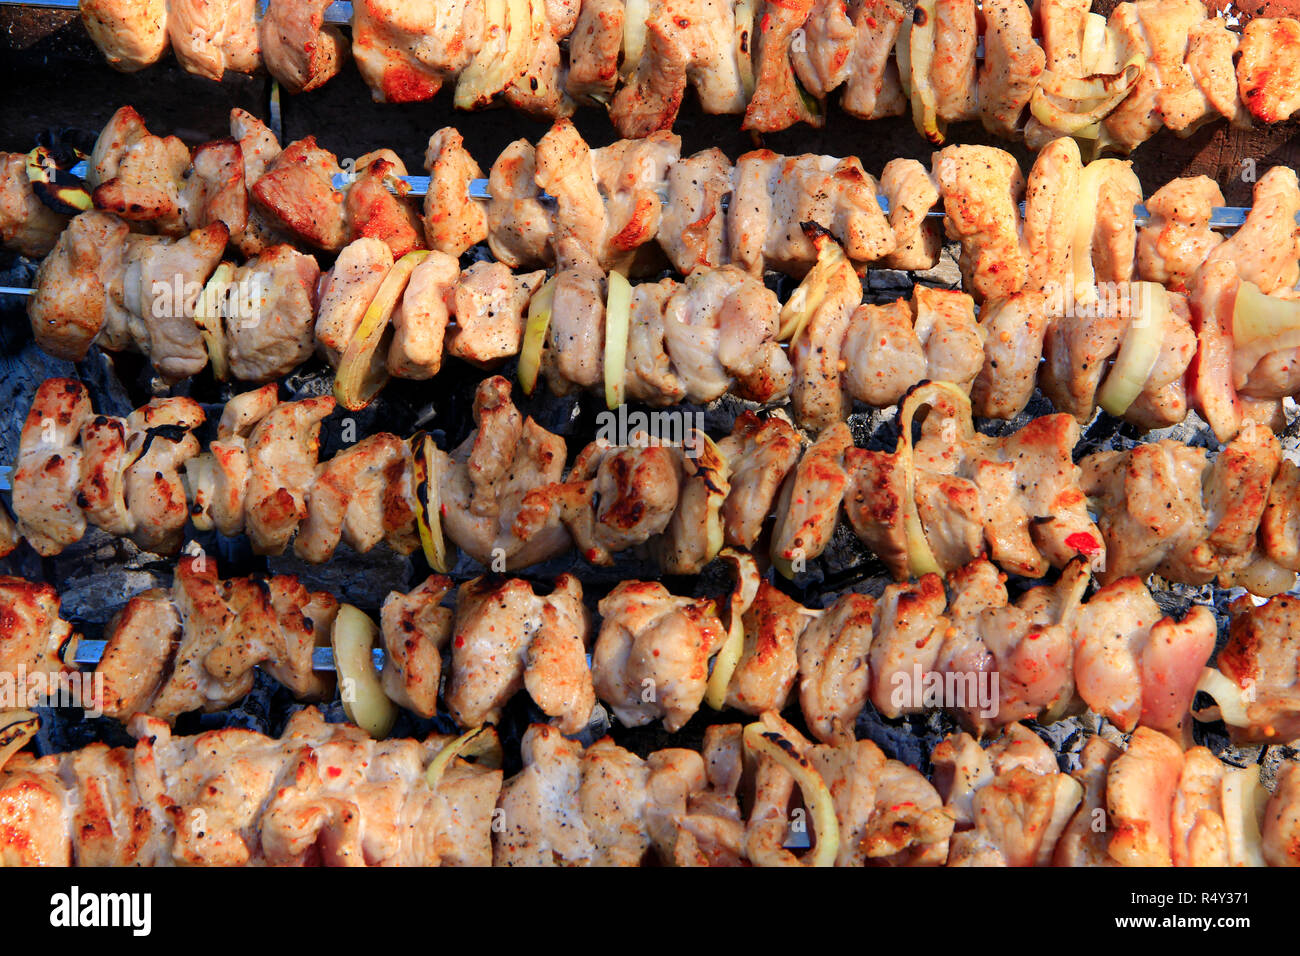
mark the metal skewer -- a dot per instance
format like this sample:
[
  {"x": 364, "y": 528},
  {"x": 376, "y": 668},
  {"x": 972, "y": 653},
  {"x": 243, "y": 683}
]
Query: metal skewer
[
  {"x": 322, "y": 658},
  {"x": 1221, "y": 217}
]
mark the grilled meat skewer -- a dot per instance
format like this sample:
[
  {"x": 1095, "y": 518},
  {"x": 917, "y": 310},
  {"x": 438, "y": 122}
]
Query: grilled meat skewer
[
  {"x": 1058, "y": 70},
  {"x": 932, "y": 505},
  {"x": 502, "y": 495},
  {"x": 154, "y": 182},
  {"x": 195, "y": 646},
  {"x": 325, "y": 795},
  {"x": 1070, "y": 285}
]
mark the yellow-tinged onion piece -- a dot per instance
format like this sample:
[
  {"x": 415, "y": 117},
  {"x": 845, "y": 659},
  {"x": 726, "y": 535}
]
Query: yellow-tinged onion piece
[
  {"x": 539, "y": 321},
  {"x": 920, "y": 61},
  {"x": 1091, "y": 179},
  {"x": 712, "y": 464},
  {"x": 1229, "y": 698},
  {"x": 1089, "y": 90},
  {"x": 808, "y": 296},
  {"x": 1140, "y": 349},
  {"x": 635, "y": 15},
  {"x": 17, "y": 727},
  {"x": 816, "y": 796},
  {"x": 56, "y": 187},
  {"x": 742, "y": 596},
  {"x": 1092, "y": 48},
  {"x": 506, "y": 38},
  {"x": 744, "y": 45},
  {"x": 353, "y": 638},
  {"x": 362, "y": 370},
  {"x": 428, "y": 517},
  {"x": 618, "y": 324},
  {"x": 1261, "y": 324},
  {"x": 1085, "y": 224},
  {"x": 920, "y": 557},
  {"x": 207, "y": 316},
  {"x": 1074, "y": 105},
  {"x": 482, "y": 744}
]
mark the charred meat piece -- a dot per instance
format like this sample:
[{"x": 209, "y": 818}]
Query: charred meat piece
[
  {"x": 27, "y": 225},
  {"x": 297, "y": 193},
  {"x": 649, "y": 635}
]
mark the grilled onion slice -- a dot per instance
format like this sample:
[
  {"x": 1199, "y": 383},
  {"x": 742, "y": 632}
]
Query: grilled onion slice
[
  {"x": 1139, "y": 351},
  {"x": 1092, "y": 48},
  {"x": 428, "y": 517},
  {"x": 1094, "y": 175},
  {"x": 920, "y": 61},
  {"x": 618, "y": 321},
  {"x": 903, "y": 57},
  {"x": 920, "y": 557},
  {"x": 17, "y": 727},
  {"x": 711, "y": 465},
  {"x": 505, "y": 41},
  {"x": 354, "y": 637},
  {"x": 816, "y": 796},
  {"x": 1260, "y": 324},
  {"x": 56, "y": 187},
  {"x": 539, "y": 321},
  {"x": 207, "y": 316},
  {"x": 481, "y": 742},
  {"x": 1229, "y": 698},
  {"x": 742, "y": 596},
  {"x": 1072, "y": 105},
  {"x": 811, "y": 292},
  {"x": 635, "y": 15},
  {"x": 363, "y": 370},
  {"x": 744, "y": 43},
  {"x": 1109, "y": 68},
  {"x": 1085, "y": 224}
]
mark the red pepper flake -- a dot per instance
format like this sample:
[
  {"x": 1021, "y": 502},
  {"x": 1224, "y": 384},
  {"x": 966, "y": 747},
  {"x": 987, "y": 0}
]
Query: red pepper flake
[
  {"x": 1083, "y": 542},
  {"x": 334, "y": 771},
  {"x": 765, "y": 24},
  {"x": 460, "y": 640}
]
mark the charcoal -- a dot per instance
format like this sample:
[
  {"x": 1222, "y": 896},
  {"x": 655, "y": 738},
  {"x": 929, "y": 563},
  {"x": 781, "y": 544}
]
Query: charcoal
[
  {"x": 23, "y": 368},
  {"x": 893, "y": 283},
  {"x": 98, "y": 592},
  {"x": 360, "y": 579}
]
